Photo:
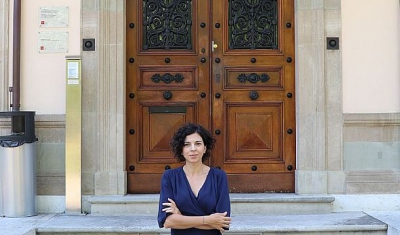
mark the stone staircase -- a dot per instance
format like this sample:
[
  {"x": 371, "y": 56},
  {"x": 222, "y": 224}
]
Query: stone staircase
[
  {"x": 331, "y": 223},
  {"x": 252, "y": 214},
  {"x": 259, "y": 203}
]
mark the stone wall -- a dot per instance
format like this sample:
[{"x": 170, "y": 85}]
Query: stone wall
[
  {"x": 372, "y": 153},
  {"x": 330, "y": 144},
  {"x": 50, "y": 130}
]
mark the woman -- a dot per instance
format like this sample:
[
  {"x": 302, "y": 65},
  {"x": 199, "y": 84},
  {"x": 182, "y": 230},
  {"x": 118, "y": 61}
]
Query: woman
[{"x": 194, "y": 198}]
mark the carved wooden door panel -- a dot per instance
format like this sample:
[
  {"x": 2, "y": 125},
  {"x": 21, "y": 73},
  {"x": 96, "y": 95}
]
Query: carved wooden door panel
[
  {"x": 167, "y": 83},
  {"x": 253, "y": 93},
  {"x": 227, "y": 65}
]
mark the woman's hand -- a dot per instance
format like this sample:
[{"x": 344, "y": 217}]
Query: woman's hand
[
  {"x": 218, "y": 221},
  {"x": 171, "y": 207}
]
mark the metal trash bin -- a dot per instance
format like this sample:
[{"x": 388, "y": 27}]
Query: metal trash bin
[{"x": 18, "y": 165}]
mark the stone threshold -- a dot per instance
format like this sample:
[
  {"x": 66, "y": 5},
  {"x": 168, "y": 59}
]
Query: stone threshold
[
  {"x": 235, "y": 198},
  {"x": 251, "y": 203}
]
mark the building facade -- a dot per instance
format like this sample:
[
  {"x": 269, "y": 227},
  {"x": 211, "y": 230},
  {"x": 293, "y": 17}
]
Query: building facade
[{"x": 347, "y": 99}]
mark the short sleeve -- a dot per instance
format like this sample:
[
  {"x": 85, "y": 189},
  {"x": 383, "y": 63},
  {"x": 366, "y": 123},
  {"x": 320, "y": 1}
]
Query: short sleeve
[{"x": 165, "y": 193}]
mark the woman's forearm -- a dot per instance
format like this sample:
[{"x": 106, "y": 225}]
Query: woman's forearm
[
  {"x": 217, "y": 221},
  {"x": 205, "y": 227},
  {"x": 177, "y": 221}
]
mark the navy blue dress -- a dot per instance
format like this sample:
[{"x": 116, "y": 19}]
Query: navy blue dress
[{"x": 213, "y": 197}]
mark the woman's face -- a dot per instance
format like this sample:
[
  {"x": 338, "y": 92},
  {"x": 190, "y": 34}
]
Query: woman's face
[{"x": 193, "y": 148}]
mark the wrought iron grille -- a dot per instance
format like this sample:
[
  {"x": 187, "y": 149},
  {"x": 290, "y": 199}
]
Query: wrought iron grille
[
  {"x": 253, "y": 24},
  {"x": 167, "y": 24}
]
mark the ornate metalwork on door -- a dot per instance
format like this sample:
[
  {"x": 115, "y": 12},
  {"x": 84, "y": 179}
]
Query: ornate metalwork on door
[
  {"x": 253, "y": 24},
  {"x": 167, "y": 78},
  {"x": 167, "y": 24},
  {"x": 253, "y": 78}
]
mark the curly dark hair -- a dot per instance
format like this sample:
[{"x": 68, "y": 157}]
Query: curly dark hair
[{"x": 178, "y": 140}]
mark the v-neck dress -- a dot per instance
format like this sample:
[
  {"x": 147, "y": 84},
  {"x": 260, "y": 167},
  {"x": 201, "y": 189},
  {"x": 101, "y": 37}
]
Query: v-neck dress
[{"x": 213, "y": 197}]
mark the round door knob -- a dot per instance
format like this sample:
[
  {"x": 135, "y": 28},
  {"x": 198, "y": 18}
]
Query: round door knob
[
  {"x": 167, "y": 60},
  {"x": 217, "y": 25},
  {"x": 131, "y": 60},
  {"x": 289, "y": 59},
  {"x": 167, "y": 95},
  {"x": 289, "y": 167},
  {"x": 203, "y": 60},
  {"x": 218, "y": 167},
  {"x": 289, "y": 95},
  {"x": 253, "y": 60},
  {"x": 203, "y": 95},
  {"x": 253, "y": 95},
  {"x": 289, "y": 131},
  {"x": 131, "y": 95},
  {"x": 167, "y": 167},
  {"x": 217, "y": 60},
  {"x": 254, "y": 168},
  {"x": 218, "y": 95},
  {"x": 131, "y": 168},
  {"x": 131, "y": 131},
  {"x": 203, "y": 25},
  {"x": 131, "y": 25},
  {"x": 288, "y": 25},
  {"x": 215, "y": 46},
  {"x": 217, "y": 132}
]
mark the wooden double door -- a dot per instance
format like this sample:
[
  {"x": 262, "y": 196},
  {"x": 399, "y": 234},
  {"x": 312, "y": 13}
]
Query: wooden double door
[{"x": 225, "y": 64}]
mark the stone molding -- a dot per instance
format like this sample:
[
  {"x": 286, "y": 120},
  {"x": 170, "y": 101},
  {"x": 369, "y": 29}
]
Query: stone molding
[
  {"x": 378, "y": 127},
  {"x": 373, "y": 182},
  {"x": 371, "y": 119}
]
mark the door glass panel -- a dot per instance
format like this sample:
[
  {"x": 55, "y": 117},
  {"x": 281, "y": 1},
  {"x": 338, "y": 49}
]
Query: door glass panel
[
  {"x": 167, "y": 24},
  {"x": 253, "y": 24}
]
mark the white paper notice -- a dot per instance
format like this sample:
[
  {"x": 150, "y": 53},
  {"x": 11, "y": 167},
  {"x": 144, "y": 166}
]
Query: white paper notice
[
  {"x": 73, "y": 82},
  {"x": 73, "y": 70},
  {"x": 53, "y": 41},
  {"x": 53, "y": 16}
]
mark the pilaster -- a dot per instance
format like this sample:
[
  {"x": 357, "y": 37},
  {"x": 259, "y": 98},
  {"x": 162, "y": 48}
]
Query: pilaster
[
  {"x": 319, "y": 99},
  {"x": 334, "y": 100},
  {"x": 111, "y": 100},
  {"x": 105, "y": 99}
]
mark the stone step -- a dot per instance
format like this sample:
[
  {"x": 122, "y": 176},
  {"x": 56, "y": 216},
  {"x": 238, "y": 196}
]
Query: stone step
[
  {"x": 344, "y": 223},
  {"x": 254, "y": 203},
  {"x": 382, "y": 222}
]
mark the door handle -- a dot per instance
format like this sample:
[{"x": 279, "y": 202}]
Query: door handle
[
  {"x": 167, "y": 95},
  {"x": 214, "y": 46}
]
